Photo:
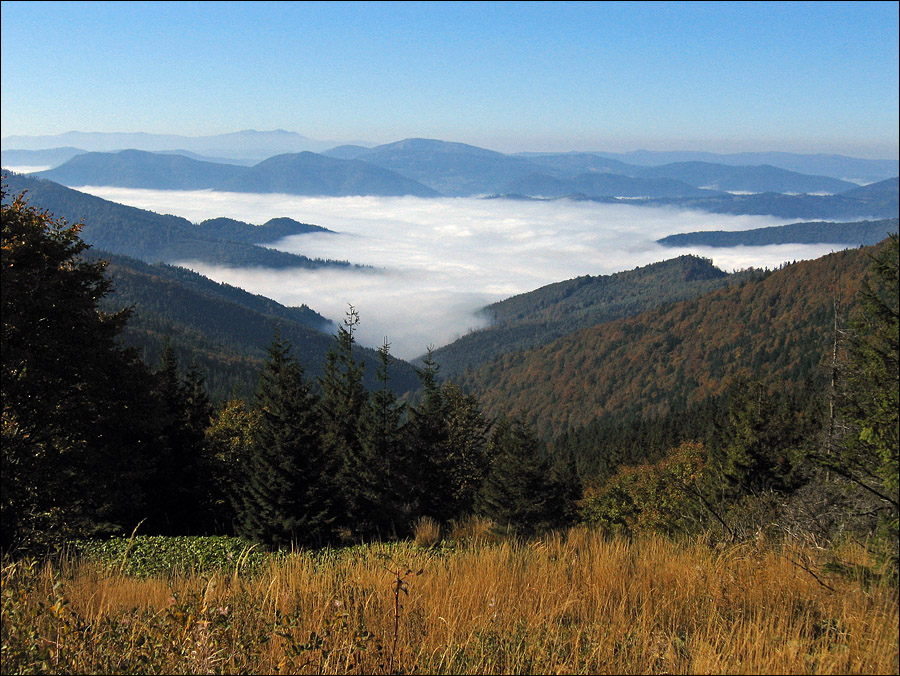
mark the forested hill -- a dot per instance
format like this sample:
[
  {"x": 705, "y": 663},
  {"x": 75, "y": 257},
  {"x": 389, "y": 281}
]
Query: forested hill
[
  {"x": 152, "y": 237},
  {"x": 859, "y": 233},
  {"x": 546, "y": 314},
  {"x": 777, "y": 326},
  {"x": 222, "y": 329}
]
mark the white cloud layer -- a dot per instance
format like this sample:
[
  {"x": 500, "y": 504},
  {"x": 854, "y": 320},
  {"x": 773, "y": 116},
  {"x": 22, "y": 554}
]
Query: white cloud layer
[{"x": 438, "y": 261}]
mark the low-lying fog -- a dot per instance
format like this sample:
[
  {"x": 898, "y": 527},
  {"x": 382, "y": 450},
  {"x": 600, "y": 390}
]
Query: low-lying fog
[{"x": 438, "y": 261}]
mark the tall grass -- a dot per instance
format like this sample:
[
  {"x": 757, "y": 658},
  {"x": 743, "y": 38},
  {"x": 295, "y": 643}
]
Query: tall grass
[{"x": 573, "y": 602}]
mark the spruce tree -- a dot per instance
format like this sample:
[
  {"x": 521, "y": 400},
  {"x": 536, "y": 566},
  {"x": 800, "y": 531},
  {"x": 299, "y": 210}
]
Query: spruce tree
[
  {"x": 78, "y": 414},
  {"x": 427, "y": 434},
  {"x": 340, "y": 408},
  {"x": 178, "y": 486},
  {"x": 286, "y": 492},
  {"x": 383, "y": 464},
  {"x": 519, "y": 492}
]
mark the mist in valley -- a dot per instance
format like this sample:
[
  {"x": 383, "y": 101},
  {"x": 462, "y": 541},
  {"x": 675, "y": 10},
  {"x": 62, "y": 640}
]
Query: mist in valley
[{"x": 434, "y": 263}]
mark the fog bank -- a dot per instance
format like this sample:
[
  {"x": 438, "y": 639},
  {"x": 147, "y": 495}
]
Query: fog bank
[{"x": 438, "y": 261}]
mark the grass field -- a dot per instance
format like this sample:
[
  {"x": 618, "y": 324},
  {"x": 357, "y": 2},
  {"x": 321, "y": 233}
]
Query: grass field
[{"x": 573, "y": 602}]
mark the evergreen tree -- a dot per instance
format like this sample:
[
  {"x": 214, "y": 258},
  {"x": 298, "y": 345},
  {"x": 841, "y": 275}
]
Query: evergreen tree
[
  {"x": 340, "y": 408},
  {"x": 383, "y": 464},
  {"x": 286, "y": 496},
  {"x": 466, "y": 448},
  {"x": 757, "y": 449},
  {"x": 869, "y": 401},
  {"x": 77, "y": 408},
  {"x": 179, "y": 488},
  {"x": 431, "y": 490},
  {"x": 519, "y": 491}
]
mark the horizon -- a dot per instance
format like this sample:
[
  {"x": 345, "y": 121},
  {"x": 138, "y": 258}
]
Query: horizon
[
  {"x": 805, "y": 78},
  {"x": 369, "y": 144}
]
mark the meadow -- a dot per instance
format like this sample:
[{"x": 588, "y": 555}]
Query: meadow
[{"x": 473, "y": 603}]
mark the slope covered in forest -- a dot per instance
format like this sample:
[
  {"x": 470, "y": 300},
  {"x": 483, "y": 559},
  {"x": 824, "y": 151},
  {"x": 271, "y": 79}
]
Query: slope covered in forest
[
  {"x": 222, "y": 329},
  {"x": 153, "y": 237},
  {"x": 541, "y": 316},
  {"x": 775, "y": 326}
]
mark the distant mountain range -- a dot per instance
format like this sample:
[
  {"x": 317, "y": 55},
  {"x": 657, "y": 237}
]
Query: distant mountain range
[
  {"x": 250, "y": 145},
  {"x": 303, "y": 173},
  {"x": 152, "y": 237},
  {"x": 457, "y": 169},
  {"x": 836, "y": 166}
]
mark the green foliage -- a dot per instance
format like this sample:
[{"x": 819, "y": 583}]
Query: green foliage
[
  {"x": 161, "y": 556},
  {"x": 79, "y": 414},
  {"x": 519, "y": 491},
  {"x": 663, "y": 497},
  {"x": 757, "y": 449},
  {"x": 869, "y": 401},
  {"x": 383, "y": 465},
  {"x": 287, "y": 481}
]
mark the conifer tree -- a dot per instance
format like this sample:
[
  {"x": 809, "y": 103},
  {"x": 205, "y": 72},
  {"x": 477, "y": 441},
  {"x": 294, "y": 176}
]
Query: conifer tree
[
  {"x": 286, "y": 493},
  {"x": 869, "y": 405},
  {"x": 178, "y": 487},
  {"x": 340, "y": 407},
  {"x": 77, "y": 408},
  {"x": 427, "y": 433},
  {"x": 519, "y": 491},
  {"x": 466, "y": 448},
  {"x": 382, "y": 469}
]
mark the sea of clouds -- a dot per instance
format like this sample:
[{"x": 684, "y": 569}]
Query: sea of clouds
[{"x": 436, "y": 262}]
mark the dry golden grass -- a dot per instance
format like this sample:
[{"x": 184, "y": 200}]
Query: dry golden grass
[{"x": 570, "y": 603}]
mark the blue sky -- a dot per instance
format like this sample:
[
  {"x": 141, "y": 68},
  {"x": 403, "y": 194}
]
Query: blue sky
[{"x": 801, "y": 77}]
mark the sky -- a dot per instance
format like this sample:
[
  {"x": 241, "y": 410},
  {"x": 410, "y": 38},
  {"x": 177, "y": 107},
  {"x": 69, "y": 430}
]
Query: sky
[
  {"x": 722, "y": 77},
  {"x": 436, "y": 262}
]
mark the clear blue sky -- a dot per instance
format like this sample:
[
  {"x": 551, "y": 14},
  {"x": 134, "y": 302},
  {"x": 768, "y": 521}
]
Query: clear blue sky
[{"x": 802, "y": 77}]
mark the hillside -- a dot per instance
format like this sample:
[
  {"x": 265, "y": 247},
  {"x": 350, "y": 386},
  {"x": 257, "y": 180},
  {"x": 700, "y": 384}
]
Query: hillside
[
  {"x": 777, "y": 326},
  {"x": 860, "y": 233},
  {"x": 307, "y": 173},
  {"x": 149, "y": 236},
  {"x": 221, "y": 328},
  {"x": 546, "y": 314},
  {"x": 302, "y": 173},
  {"x": 141, "y": 169}
]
